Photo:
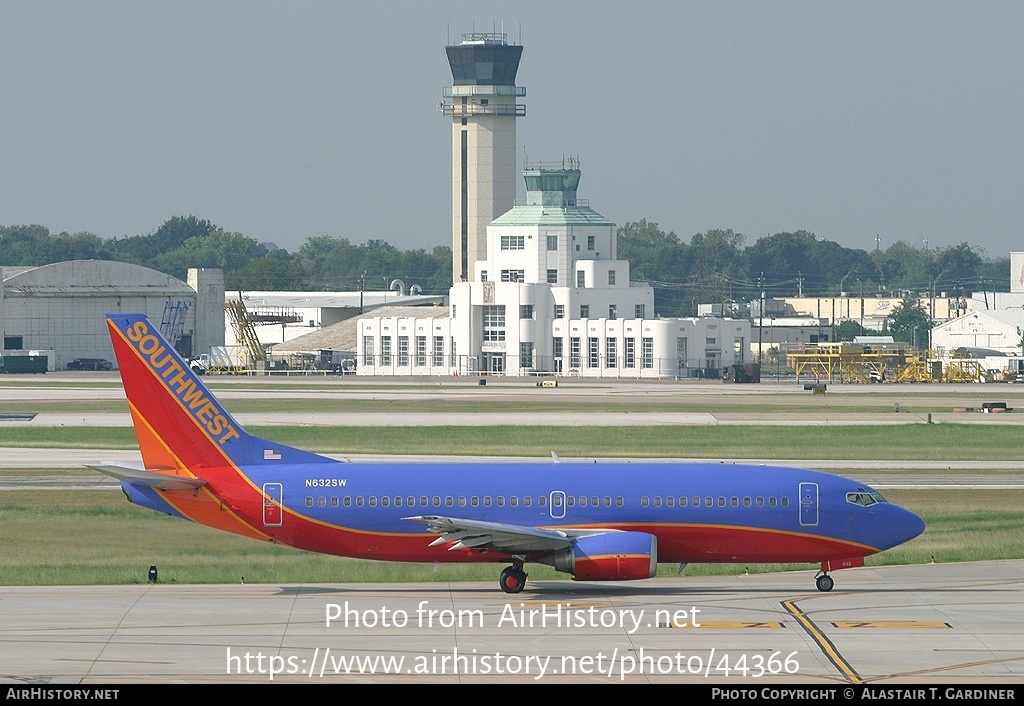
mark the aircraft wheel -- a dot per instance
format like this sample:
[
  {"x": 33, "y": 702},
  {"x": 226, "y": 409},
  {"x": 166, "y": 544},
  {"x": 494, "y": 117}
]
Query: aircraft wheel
[
  {"x": 512, "y": 579},
  {"x": 825, "y": 583}
]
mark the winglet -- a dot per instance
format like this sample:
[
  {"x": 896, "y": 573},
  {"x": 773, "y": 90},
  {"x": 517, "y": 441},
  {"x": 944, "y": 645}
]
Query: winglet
[{"x": 554, "y": 457}]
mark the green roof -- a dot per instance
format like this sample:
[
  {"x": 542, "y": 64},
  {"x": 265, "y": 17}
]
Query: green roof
[{"x": 551, "y": 216}]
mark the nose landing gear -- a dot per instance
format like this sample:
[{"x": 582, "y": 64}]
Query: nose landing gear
[{"x": 824, "y": 582}]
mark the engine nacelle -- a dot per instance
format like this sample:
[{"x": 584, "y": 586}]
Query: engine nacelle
[{"x": 615, "y": 556}]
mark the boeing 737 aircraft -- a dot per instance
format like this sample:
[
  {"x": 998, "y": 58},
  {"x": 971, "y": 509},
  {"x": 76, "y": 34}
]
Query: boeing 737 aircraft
[{"x": 597, "y": 522}]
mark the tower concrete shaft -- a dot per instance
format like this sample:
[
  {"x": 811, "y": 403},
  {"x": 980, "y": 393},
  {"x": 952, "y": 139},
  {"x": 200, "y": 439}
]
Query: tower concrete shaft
[{"x": 483, "y": 108}]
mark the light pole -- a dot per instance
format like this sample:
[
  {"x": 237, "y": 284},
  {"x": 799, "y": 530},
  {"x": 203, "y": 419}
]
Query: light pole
[
  {"x": 842, "y": 283},
  {"x": 842, "y": 293},
  {"x": 860, "y": 286},
  {"x": 931, "y": 315},
  {"x": 760, "y": 324}
]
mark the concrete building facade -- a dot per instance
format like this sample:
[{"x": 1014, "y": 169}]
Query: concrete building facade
[
  {"x": 482, "y": 103},
  {"x": 538, "y": 288},
  {"x": 551, "y": 298}
]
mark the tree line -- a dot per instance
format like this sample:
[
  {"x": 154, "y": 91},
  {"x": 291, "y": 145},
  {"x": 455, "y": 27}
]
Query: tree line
[
  {"x": 716, "y": 266},
  {"x": 322, "y": 263}
]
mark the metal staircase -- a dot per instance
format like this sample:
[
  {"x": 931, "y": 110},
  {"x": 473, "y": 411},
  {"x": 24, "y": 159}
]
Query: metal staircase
[{"x": 172, "y": 325}]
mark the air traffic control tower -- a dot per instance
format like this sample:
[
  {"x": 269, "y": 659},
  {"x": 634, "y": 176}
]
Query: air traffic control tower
[{"x": 482, "y": 106}]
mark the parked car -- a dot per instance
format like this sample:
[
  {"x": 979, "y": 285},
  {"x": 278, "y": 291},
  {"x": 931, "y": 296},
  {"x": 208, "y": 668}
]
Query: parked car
[{"x": 90, "y": 364}]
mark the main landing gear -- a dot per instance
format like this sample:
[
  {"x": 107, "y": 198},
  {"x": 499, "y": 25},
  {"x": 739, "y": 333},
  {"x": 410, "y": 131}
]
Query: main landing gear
[
  {"x": 824, "y": 582},
  {"x": 512, "y": 579}
]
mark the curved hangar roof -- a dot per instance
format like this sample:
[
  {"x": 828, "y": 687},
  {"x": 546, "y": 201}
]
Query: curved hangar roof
[{"x": 92, "y": 277}]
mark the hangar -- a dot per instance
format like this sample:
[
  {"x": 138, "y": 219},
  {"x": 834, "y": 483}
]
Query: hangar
[{"x": 58, "y": 310}]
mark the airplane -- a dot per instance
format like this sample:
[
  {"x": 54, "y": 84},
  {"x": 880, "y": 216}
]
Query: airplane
[{"x": 607, "y": 521}]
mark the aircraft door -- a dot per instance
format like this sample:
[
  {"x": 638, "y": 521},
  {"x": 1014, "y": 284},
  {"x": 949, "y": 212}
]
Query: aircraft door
[
  {"x": 273, "y": 497},
  {"x": 556, "y": 501},
  {"x": 809, "y": 504}
]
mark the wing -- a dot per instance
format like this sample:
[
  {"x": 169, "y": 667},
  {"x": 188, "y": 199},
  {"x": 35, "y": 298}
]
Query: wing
[
  {"x": 137, "y": 475},
  {"x": 497, "y": 536}
]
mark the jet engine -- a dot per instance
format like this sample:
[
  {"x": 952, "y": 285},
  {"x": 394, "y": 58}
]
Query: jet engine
[{"x": 614, "y": 556}]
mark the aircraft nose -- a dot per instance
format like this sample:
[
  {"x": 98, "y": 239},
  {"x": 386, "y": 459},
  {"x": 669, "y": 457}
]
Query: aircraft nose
[{"x": 907, "y": 525}]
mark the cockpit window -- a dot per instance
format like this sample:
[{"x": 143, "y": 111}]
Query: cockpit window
[{"x": 865, "y": 498}]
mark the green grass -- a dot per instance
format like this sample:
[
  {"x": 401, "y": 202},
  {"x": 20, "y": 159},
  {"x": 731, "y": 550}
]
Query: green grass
[
  {"x": 98, "y": 538},
  {"x": 923, "y": 442}
]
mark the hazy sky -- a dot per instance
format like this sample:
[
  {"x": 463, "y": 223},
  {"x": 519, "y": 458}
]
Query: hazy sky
[{"x": 285, "y": 120}]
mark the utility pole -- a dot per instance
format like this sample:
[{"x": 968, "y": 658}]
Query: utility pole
[{"x": 760, "y": 325}]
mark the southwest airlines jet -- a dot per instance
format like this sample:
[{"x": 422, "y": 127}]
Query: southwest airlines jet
[{"x": 595, "y": 521}]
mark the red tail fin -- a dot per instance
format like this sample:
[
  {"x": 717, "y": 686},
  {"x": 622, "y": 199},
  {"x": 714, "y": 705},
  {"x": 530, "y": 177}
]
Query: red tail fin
[{"x": 180, "y": 425}]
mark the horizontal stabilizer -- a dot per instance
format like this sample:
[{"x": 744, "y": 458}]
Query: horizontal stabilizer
[{"x": 137, "y": 475}]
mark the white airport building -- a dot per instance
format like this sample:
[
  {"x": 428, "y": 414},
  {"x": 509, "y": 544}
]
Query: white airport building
[{"x": 539, "y": 289}]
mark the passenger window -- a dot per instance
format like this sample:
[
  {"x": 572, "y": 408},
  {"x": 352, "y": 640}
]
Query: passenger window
[
  {"x": 334, "y": 502},
  {"x": 322, "y": 501},
  {"x": 501, "y": 501},
  {"x": 449, "y": 501},
  {"x": 360, "y": 501},
  {"x": 385, "y": 501},
  {"x": 772, "y": 502},
  {"x": 309, "y": 501},
  {"x": 474, "y": 501},
  {"x": 347, "y": 502},
  {"x": 373, "y": 501},
  {"x": 670, "y": 501},
  {"x": 644, "y": 502},
  {"x": 527, "y": 501}
]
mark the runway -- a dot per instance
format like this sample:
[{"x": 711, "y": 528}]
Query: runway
[{"x": 928, "y": 624}]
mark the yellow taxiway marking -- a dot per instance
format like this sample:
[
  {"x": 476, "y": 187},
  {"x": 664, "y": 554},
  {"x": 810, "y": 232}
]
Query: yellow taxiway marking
[
  {"x": 822, "y": 641},
  {"x": 891, "y": 624}
]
